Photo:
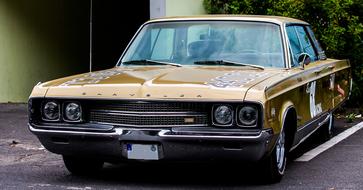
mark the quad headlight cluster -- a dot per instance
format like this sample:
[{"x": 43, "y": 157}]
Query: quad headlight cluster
[
  {"x": 69, "y": 111},
  {"x": 242, "y": 116}
]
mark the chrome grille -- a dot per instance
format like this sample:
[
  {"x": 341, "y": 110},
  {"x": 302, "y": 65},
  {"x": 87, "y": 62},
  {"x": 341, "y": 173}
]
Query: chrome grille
[
  {"x": 149, "y": 114},
  {"x": 152, "y": 107}
]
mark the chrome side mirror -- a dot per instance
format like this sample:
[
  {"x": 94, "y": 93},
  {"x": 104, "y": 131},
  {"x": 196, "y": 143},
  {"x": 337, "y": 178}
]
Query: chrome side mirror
[{"x": 304, "y": 59}]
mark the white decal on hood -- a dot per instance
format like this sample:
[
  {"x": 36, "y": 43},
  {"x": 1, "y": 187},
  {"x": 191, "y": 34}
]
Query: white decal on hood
[
  {"x": 235, "y": 79},
  {"x": 92, "y": 78}
]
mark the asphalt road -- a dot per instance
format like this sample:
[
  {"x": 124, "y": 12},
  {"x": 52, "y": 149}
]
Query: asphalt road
[{"x": 24, "y": 164}]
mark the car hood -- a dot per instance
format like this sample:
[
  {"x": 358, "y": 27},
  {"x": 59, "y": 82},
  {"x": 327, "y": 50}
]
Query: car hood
[{"x": 161, "y": 82}]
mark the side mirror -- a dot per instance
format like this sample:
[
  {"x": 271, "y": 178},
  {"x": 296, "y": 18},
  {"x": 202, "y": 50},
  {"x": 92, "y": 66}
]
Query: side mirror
[{"x": 304, "y": 59}]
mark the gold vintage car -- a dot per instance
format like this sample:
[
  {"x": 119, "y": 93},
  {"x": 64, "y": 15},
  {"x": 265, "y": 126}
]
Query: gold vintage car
[{"x": 242, "y": 88}]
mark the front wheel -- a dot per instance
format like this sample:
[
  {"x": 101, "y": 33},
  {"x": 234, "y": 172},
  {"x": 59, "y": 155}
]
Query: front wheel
[
  {"x": 82, "y": 165},
  {"x": 274, "y": 165}
]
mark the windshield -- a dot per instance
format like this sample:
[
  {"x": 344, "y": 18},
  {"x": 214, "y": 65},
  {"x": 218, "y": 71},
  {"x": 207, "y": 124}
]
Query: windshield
[{"x": 187, "y": 43}]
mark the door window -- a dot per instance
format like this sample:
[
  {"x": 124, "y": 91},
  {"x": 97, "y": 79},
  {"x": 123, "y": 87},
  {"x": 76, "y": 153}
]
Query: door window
[{"x": 300, "y": 42}]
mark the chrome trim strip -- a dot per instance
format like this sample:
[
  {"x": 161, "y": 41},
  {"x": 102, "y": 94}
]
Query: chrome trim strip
[
  {"x": 57, "y": 127},
  {"x": 140, "y": 129},
  {"x": 324, "y": 121},
  {"x": 188, "y": 100},
  {"x": 163, "y": 133},
  {"x": 117, "y": 132},
  {"x": 286, "y": 46},
  {"x": 162, "y": 126},
  {"x": 141, "y": 114},
  {"x": 312, "y": 121},
  {"x": 308, "y": 135},
  {"x": 119, "y": 61}
]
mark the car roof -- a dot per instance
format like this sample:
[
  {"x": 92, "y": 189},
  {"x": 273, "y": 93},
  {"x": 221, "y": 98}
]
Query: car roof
[{"x": 258, "y": 18}]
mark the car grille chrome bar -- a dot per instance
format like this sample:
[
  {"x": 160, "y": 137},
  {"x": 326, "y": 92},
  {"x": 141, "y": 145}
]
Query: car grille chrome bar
[
  {"x": 150, "y": 115},
  {"x": 152, "y": 107}
]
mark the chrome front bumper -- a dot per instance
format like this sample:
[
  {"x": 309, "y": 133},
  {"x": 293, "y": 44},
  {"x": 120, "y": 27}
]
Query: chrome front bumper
[{"x": 182, "y": 144}]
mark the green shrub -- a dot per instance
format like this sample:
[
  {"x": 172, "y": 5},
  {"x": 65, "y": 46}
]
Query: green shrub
[
  {"x": 338, "y": 24},
  {"x": 350, "y": 118}
]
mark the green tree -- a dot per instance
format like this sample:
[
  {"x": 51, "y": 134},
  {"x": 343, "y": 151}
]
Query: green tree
[{"x": 338, "y": 24}]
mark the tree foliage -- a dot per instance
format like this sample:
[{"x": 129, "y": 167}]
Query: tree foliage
[{"x": 338, "y": 24}]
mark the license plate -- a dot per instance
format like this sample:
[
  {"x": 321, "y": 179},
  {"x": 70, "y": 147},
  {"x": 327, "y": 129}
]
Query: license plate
[{"x": 142, "y": 151}]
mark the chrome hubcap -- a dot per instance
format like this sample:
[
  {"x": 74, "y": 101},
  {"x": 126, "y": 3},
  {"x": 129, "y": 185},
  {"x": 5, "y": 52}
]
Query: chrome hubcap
[{"x": 280, "y": 151}]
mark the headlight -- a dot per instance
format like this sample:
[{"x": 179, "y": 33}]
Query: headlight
[
  {"x": 51, "y": 111},
  {"x": 223, "y": 115},
  {"x": 73, "y": 112},
  {"x": 247, "y": 116}
]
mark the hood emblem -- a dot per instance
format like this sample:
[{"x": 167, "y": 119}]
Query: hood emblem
[{"x": 234, "y": 79}]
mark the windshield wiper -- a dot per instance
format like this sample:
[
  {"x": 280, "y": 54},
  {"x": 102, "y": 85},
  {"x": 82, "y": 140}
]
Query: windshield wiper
[
  {"x": 226, "y": 62},
  {"x": 149, "y": 62}
]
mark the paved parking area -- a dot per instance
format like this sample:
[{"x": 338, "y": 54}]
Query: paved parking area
[{"x": 24, "y": 164}]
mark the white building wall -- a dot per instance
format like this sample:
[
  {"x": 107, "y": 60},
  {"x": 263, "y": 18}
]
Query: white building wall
[{"x": 161, "y": 8}]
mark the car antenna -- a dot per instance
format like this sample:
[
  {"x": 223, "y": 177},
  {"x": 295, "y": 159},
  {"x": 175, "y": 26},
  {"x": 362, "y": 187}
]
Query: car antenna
[{"x": 90, "y": 36}]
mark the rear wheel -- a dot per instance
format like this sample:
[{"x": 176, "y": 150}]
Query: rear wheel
[
  {"x": 274, "y": 165},
  {"x": 82, "y": 165}
]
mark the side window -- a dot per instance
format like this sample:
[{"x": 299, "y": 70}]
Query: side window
[
  {"x": 306, "y": 43},
  {"x": 295, "y": 47},
  {"x": 162, "y": 42},
  {"x": 300, "y": 42}
]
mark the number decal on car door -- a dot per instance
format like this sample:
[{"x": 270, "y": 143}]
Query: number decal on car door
[{"x": 315, "y": 109}]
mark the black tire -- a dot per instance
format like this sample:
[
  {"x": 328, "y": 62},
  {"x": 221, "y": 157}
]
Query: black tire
[
  {"x": 273, "y": 166},
  {"x": 82, "y": 165},
  {"x": 325, "y": 131}
]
